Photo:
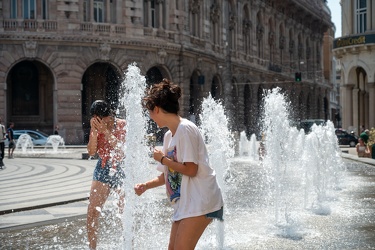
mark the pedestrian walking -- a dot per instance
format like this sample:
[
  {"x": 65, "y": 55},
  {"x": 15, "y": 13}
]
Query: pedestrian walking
[
  {"x": 12, "y": 143},
  {"x": 2, "y": 143}
]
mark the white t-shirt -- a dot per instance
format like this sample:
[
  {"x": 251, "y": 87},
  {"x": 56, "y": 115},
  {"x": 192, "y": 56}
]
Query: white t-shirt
[
  {"x": 190, "y": 196},
  {"x": 2, "y": 133}
]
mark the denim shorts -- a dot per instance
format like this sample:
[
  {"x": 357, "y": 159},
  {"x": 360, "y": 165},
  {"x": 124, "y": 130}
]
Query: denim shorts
[
  {"x": 218, "y": 215},
  {"x": 114, "y": 180}
]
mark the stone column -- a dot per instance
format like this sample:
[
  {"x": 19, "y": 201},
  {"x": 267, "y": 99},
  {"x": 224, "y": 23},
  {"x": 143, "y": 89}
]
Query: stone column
[
  {"x": 160, "y": 15},
  {"x": 19, "y": 9},
  {"x": 148, "y": 13},
  {"x": 369, "y": 15},
  {"x": 108, "y": 12},
  {"x": 167, "y": 14},
  {"x": 371, "y": 110},
  {"x": 38, "y": 9},
  {"x": 361, "y": 107},
  {"x": 346, "y": 104},
  {"x": 366, "y": 109},
  {"x": 347, "y": 18},
  {"x": 355, "y": 104},
  {"x": 91, "y": 11}
]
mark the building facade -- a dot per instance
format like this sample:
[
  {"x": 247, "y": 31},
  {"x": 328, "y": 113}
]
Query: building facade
[
  {"x": 356, "y": 52},
  {"x": 56, "y": 57}
]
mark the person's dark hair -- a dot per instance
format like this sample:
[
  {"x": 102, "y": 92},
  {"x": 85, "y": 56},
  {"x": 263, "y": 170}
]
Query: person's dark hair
[
  {"x": 164, "y": 95},
  {"x": 100, "y": 108}
]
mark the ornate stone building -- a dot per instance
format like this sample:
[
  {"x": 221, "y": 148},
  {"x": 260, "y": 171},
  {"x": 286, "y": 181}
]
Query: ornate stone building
[
  {"x": 356, "y": 52},
  {"x": 56, "y": 56}
]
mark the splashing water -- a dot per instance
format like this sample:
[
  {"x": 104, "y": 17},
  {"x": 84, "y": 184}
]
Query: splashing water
[
  {"x": 253, "y": 150},
  {"x": 55, "y": 141},
  {"x": 248, "y": 147},
  {"x": 136, "y": 160},
  {"x": 219, "y": 142},
  {"x": 301, "y": 169},
  {"x": 24, "y": 142},
  {"x": 286, "y": 201}
]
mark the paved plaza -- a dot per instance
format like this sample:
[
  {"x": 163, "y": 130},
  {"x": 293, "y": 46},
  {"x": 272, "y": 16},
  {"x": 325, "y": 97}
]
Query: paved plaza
[{"x": 42, "y": 188}]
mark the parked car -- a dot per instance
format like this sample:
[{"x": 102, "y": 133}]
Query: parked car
[
  {"x": 38, "y": 138},
  {"x": 346, "y": 138}
]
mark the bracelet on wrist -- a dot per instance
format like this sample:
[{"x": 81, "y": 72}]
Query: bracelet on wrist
[{"x": 161, "y": 160}]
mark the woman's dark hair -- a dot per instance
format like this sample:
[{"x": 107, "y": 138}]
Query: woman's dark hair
[
  {"x": 164, "y": 95},
  {"x": 100, "y": 108}
]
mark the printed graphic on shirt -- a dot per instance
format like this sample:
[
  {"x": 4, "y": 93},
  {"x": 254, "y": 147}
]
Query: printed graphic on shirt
[{"x": 173, "y": 178}]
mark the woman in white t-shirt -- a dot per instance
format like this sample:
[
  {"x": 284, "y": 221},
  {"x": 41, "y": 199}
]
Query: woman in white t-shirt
[{"x": 190, "y": 182}]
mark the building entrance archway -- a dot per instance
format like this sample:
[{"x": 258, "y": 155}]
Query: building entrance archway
[
  {"x": 101, "y": 81},
  {"x": 30, "y": 96}
]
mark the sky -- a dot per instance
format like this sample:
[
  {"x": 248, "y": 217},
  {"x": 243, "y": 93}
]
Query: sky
[{"x": 335, "y": 7}]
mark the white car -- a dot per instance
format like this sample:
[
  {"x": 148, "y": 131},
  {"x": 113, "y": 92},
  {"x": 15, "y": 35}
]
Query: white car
[{"x": 38, "y": 138}]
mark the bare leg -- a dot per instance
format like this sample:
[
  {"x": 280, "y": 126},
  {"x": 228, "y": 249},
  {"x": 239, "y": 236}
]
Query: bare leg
[
  {"x": 98, "y": 195},
  {"x": 186, "y": 232}
]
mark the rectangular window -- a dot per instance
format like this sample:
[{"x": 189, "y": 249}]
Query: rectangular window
[
  {"x": 153, "y": 14},
  {"x": 44, "y": 9},
  {"x": 13, "y": 9},
  {"x": 361, "y": 16},
  {"x": 29, "y": 9},
  {"x": 99, "y": 11}
]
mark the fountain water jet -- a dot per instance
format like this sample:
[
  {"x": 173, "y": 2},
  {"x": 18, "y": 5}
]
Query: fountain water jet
[
  {"x": 55, "y": 141},
  {"x": 248, "y": 147},
  {"x": 25, "y": 142},
  {"x": 136, "y": 163},
  {"x": 219, "y": 140},
  {"x": 301, "y": 169},
  {"x": 290, "y": 200}
]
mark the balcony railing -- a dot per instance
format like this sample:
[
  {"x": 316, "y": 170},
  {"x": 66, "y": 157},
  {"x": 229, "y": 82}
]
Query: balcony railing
[
  {"x": 29, "y": 25},
  {"x": 96, "y": 28},
  {"x": 52, "y": 26}
]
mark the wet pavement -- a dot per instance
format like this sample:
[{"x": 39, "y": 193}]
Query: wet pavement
[{"x": 45, "y": 189}]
